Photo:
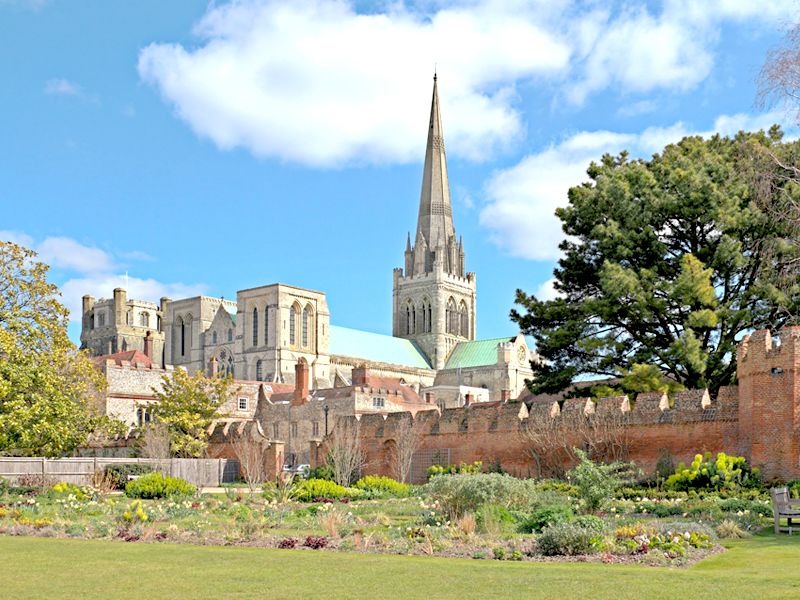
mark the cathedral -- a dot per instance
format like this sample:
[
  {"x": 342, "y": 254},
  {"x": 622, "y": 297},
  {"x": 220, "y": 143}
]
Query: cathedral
[{"x": 268, "y": 330}]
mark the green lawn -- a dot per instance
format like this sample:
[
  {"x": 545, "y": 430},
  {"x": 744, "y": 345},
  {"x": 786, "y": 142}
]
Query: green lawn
[{"x": 761, "y": 567}]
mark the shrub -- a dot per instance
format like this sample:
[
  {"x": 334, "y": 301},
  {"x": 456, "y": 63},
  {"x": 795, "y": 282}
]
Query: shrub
[
  {"x": 597, "y": 482},
  {"x": 316, "y": 542},
  {"x": 319, "y": 488},
  {"x": 321, "y": 472},
  {"x": 742, "y": 505},
  {"x": 462, "y": 493},
  {"x": 462, "y": 469},
  {"x": 383, "y": 487},
  {"x": 565, "y": 539},
  {"x": 287, "y": 544},
  {"x": 118, "y": 474},
  {"x": 499, "y": 553},
  {"x": 4, "y": 485},
  {"x": 545, "y": 516},
  {"x": 156, "y": 485},
  {"x": 725, "y": 472},
  {"x": 590, "y": 522}
]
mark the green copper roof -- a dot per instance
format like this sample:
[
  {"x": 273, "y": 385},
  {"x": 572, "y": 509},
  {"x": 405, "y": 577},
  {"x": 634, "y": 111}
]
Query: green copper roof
[
  {"x": 376, "y": 347},
  {"x": 231, "y": 310},
  {"x": 479, "y": 353}
]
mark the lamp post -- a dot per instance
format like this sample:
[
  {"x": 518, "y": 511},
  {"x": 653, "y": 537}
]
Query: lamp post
[{"x": 326, "y": 419}]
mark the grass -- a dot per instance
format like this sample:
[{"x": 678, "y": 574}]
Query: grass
[{"x": 762, "y": 567}]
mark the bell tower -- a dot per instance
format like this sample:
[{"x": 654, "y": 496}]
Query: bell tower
[{"x": 434, "y": 299}]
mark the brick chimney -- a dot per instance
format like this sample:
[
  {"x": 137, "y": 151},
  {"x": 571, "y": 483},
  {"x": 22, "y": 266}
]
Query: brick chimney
[
  {"x": 301, "y": 376},
  {"x": 360, "y": 375},
  {"x": 505, "y": 395},
  {"x": 429, "y": 397},
  {"x": 214, "y": 370},
  {"x": 148, "y": 345}
]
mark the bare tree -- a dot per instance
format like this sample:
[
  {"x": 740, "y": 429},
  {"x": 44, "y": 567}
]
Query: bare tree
[
  {"x": 408, "y": 435},
  {"x": 778, "y": 79},
  {"x": 156, "y": 441},
  {"x": 551, "y": 438},
  {"x": 345, "y": 455},
  {"x": 252, "y": 463}
]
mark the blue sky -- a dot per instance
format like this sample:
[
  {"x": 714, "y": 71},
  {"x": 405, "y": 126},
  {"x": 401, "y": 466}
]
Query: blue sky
[{"x": 208, "y": 148}]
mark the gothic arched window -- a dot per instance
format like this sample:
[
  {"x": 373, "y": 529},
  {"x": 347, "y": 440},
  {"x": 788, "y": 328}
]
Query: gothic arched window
[
  {"x": 144, "y": 319},
  {"x": 258, "y": 370},
  {"x": 255, "y": 327},
  {"x": 291, "y": 326},
  {"x": 305, "y": 327},
  {"x": 266, "y": 325},
  {"x": 183, "y": 338},
  {"x": 214, "y": 338},
  {"x": 230, "y": 335},
  {"x": 464, "y": 320}
]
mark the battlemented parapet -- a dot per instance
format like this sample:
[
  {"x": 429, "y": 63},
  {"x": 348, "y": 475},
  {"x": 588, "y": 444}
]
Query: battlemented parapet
[{"x": 769, "y": 411}]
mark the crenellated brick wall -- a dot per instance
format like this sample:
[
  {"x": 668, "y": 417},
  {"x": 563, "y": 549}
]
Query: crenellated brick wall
[{"x": 758, "y": 419}]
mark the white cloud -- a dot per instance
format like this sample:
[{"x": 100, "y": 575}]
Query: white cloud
[
  {"x": 98, "y": 272},
  {"x": 62, "y": 86},
  {"x": 547, "y": 291},
  {"x": 102, "y": 286},
  {"x": 313, "y": 81},
  {"x": 66, "y": 253},
  {"x": 523, "y": 198},
  {"x": 17, "y": 237},
  {"x": 317, "y": 82}
]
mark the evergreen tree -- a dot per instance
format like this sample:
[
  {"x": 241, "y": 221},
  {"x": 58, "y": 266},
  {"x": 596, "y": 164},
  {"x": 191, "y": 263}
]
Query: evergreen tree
[{"x": 667, "y": 263}]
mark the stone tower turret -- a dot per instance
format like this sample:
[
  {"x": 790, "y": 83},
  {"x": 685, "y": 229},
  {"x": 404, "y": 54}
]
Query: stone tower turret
[{"x": 434, "y": 299}]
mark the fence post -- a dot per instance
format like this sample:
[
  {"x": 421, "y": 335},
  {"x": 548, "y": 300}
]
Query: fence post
[
  {"x": 220, "y": 471},
  {"x": 44, "y": 468}
]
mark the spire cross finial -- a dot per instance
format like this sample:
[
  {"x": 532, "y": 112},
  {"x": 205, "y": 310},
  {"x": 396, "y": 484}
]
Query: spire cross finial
[{"x": 434, "y": 71}]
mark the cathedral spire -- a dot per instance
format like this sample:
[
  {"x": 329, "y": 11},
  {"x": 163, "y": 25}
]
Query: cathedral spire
[{"x": 435, "y": 213}]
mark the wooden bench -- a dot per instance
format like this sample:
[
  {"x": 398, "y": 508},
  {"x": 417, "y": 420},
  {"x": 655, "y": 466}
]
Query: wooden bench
[{"x": 782, "y": 506}]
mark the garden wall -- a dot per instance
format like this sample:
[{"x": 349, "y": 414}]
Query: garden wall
[{"x": 758, "y": 419}]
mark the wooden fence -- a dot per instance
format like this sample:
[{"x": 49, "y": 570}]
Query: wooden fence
[{"x": 202, "y": 472}]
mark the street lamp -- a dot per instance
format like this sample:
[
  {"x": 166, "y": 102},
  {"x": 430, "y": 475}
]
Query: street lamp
[{"x": 326, "y": 419}]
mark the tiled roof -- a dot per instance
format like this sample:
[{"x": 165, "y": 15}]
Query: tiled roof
[
  {"x": 479, "y": 353},
  {"x": 132, "y": 356},
  {"x": 376, "y": 347}
]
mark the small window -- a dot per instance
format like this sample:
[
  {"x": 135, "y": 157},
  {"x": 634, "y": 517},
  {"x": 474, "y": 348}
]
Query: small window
[
  {"x": 242, "y": 402},
  {"x": 101, "y": 320},
  {"x": 315, "y": 428},
  {"x": 378, "y": 402},
  {"x": 275, "y": 431},
  {"x": 294, "y": 430},
  {"x": 258, "y": 370},
  {"x": 144, "y": 319},
  {"x": 214, "y": 338},
  {"x": 230, "y": 335}
]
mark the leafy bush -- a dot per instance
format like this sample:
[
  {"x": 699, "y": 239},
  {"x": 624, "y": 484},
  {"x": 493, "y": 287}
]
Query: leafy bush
[
  {"x": 545, "y": 516},
  {"x": 590, "y": 522},
  {"x": 742, "y": 505},
  {"x": 75, "y": 529},
  {"x": 565, "y": 539},
  {"x": 462, "y": 469},
  {"x": 321, "y": 472},
  {"x": 156, "y": 485},
  {"x": 316, "y": 542},
  {"x": 725, "y": 472},
  {"x": 383, "y": 487},
  {"x": 462, "y": 493},
  {"x": 287, "y": 544},
  {"x": 319, "y": 488},
  {"x": 118, "y": 474},
  {"x": 596, "y": 482},
  {"x": 660, "y": 509},
  {"x": 499, "y": 553},
  {"x": 63, "y": 489},
  {"x": 4, "y": 485}
]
